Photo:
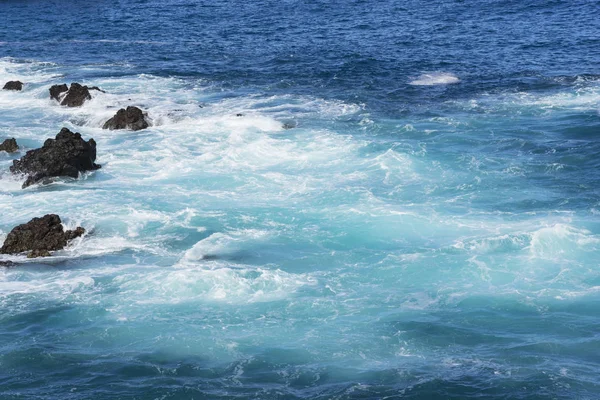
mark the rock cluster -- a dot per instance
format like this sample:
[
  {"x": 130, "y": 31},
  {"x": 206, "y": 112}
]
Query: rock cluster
[
  {"x": 131, "y": 118},
  {"x": 75, "y": 96},
  {"x": 39, "y": 237},
  {"x": 66, "y": 155},
  {"x": 13, "y": 85},
  {"x": 9, "y": 145}
]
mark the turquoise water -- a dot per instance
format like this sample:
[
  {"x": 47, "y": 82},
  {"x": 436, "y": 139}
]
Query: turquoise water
[{"x": 429, "y": 228}]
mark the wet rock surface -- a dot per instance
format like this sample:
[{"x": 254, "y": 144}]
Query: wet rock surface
[
  {"x": 75, "y": 96},
  {"x": 39, "y": 237},
  {"x": 57, "y": 90},
  {"x": 9, "y": 146},
  {"x": 66, "y": 155},
  {"x": 13, "y": 85},
  {"x": 131, "y": 118}
]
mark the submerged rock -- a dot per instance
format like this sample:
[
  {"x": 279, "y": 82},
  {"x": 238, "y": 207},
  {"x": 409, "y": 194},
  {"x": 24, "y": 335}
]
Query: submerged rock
[
  {"x": 13, "y": 85},
  {"x": 57, "y": 90},
  {"x": 95, "y": 88},
  {"x": 76, "y": 95},
  {"x": 66, "y": 155},
  {"x": 39, "y": 237},
  {"x": 7, "y": 264},
  {"x": 289, "y": 125},
  {"x": 131, "y": 118},
  {"x": 9, "y": 146}
]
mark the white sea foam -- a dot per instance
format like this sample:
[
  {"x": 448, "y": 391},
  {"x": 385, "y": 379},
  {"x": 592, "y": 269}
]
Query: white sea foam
[
  {"x": 582, "y": 99},
  {"x": 206, "y": 169},
  {"x": 187, "y": 140},
  {"x": 435, "y": 78},
  {"x": 219, "y": 244},
  {"x": 139, "y": 285},
  {"x": 585, "y": 97},
  {"x": 58, "y": 285},
  {"x": 26, "y": 71},
  {"x": 220, "y": 283},
  {"x": 561, "y": 240},
  {"x": 10, "y": 183},
  {"x": 540, "y": 238},
  {"x": 507, "y": 242},
  {"x": 398, "y": 167}
]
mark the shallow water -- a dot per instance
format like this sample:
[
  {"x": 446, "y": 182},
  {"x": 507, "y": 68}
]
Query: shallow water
[{"x": 429, "y": 227}]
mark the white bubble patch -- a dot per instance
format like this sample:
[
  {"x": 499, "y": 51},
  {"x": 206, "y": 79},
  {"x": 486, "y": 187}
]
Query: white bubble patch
[{"x": 435, "y": 78}]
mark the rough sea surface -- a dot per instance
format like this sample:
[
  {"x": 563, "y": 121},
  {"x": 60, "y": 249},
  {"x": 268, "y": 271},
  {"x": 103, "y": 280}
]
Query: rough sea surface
[{"x": 429, "y": 227}]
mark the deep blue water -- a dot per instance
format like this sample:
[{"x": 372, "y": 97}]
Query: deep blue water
[{"x": 429, "y": 228}]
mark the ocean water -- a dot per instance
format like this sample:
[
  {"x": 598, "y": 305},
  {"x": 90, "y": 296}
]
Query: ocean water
[{"x": 429, "y": 227}]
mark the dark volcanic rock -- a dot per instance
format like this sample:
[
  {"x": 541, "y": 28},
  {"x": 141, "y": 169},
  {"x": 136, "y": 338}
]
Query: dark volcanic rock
[
  {"x": 70, "y": 235},
  {"x": 131, "y": 118},
  {"x": 95, "y": 88},
  {"x": 38, "y": 253},
  {"x": 76, "y": 96},
  {"x": 7, "y": 264},
  {"x": 66, "y": 155},
  {"x": 13, "y": 85},
  {"x": 57, "y": 90},
  {"x": 9, "y": 146},
  {"x": 39, "y": 237}
]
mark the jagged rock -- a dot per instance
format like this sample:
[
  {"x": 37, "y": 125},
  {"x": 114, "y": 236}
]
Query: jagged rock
[
  {"x": 131, "y": 118},
  {"x": 66, "y": 155},
  {"x": 76, "y": 96},
  {"x": 57, "y": 90},
  {"x": 13, "y": 85},
  {"x": 9, "y": 146},
  {"x": 39, "y": 237},
  {"x": 70, "y": 235},
  {"x": 78, "y": 232}
]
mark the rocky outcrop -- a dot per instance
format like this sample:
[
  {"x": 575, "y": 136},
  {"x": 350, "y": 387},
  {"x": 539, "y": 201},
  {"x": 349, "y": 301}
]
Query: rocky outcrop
[
  {"x": 9, "y": 146},
  {"x": 13, "y": 85},
  {"x": 76, "y": 95},
  {"x": 57, "y": 90},
  {"x": 131, "y": 118},
  {"x": 39, "y": 237},
  {"x": 66, "y": 155}
]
